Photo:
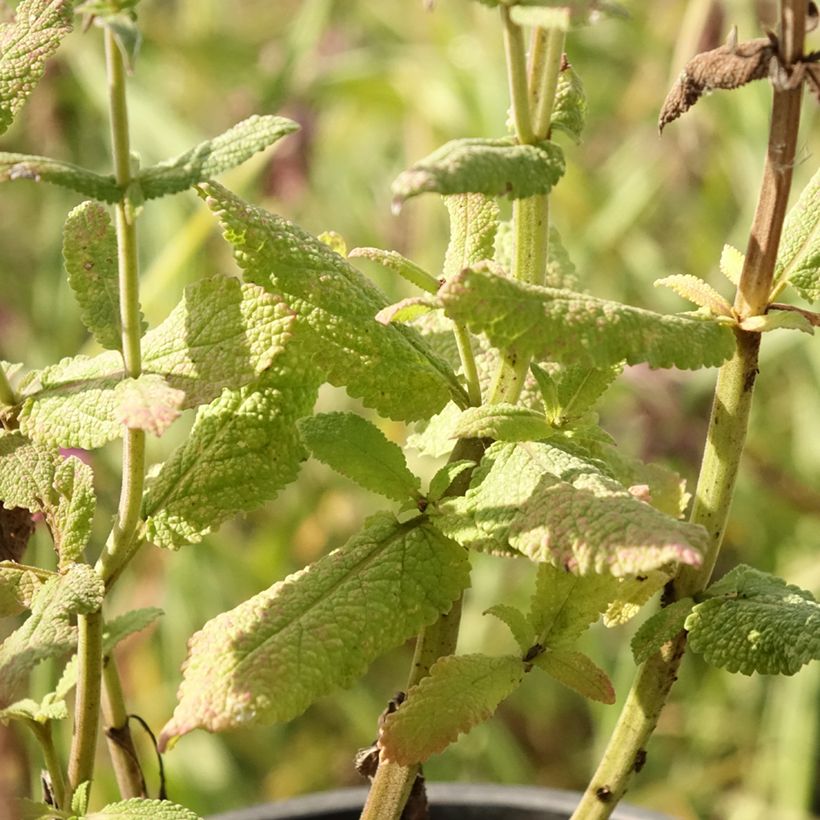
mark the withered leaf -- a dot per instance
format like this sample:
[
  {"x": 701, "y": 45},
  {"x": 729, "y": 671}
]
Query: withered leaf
[{"x": 729, "y": 66}]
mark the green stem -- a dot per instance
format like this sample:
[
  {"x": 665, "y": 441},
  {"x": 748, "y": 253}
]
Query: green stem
[
  {"x": 517, "y": 78},
  {"x": 42, "y": 731},
  {"x": 121, "y": 749},
  {"x": 465, "y": 352},
  {"x": 87, "y": 699},
  {"x": 545, "y": 96},
  {"x": 726, "y": 437}
]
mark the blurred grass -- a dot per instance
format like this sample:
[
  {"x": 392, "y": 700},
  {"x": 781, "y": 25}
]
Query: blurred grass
[{"x": 375, "y": 86}]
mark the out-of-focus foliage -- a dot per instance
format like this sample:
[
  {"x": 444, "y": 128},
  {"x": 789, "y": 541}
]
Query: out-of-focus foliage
[{"x": 376, "y": 86}]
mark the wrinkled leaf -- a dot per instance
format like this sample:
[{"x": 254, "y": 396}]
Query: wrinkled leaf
[
  {"x": 660, "y": 628},
  {"x": 138, "y": 808},
  {"x": 697, "y": 291},
  {"x": 731, "y": 263},
  {"x": 149, "y": 403},
  {"x": 502, "y": 422},
  {"x": 49, "y": 709},
  {"x": 778, "y": 320},
  {"x": 798, "y": 259},
  {"x": 569, "y": 113},
  {"x": 44, "y": 169},
  {"x": 394, "y": 261},
  {"x": 441, "y": 481},
  {"x": 473, "y": 226},
  {"x": 18, "y": 586},
  {"x": 406, "y": 310}
]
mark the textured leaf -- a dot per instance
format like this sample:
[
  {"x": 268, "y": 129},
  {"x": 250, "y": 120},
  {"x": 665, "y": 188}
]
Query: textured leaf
[
  {"x": 473, "y": 226},
  {"x": 441, "y": 481},
  {"x": 436, "y": 439},
  {"x": 576, "y": 671},
  {"x": 222, "y": 334},
  {"x": 573, "y": 328},
  {"x": 569, "y": 114},
  {"x": 406, "y": 310},
  {"x": 44, "y": 169},
  {"x": 25, "y": 45},
  {"x": 389, "y": 367},
  {"x": 90, "y": 255},
  {"x": 36, "y": 476},
  {"x": 698, "y": 292},
  {"x": 564, "y": 605},
  {"x": 356, "y": 448},
  {"x": 778, "y": 320},
  {"x": 48, "y": 631},
  {"x": 149, "y": 403},
  {"x": 660, "y": 628},
  {"x": 18, "y": 586},
  {"x": 518, "y": 624},
  {"x": 208, "y": 159},
  {"x": 482, "y": 166},
  {"x": 756, "y": 622},
  {"x": 798, "y": 260},
  {"x": 138, "y": 808},
  {"x": 27, "y": 709},
  {"x": 503, "y": 422},
  {"x": 578, "y": 387},
  {"x": 243, "y": 448},
  {"x": 731, "y": 263},
  {"x": 633, "y": 593},
  {"x": 394, "y": 261},
  {"x": 561, "y": 508},
  {"x": 460, "y": 692},
  {"x": 272, "y": 656},
  {"x": 34, "y": 810}
]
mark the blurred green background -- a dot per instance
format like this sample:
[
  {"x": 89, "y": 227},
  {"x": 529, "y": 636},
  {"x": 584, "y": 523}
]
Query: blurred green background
[{"x": 375, "y": 85}]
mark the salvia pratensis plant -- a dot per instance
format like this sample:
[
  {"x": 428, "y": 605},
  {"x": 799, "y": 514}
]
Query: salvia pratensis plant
[{"x": 499, "y": 361}]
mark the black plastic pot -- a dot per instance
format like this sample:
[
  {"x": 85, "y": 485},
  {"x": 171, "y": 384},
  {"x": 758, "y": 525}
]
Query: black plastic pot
[{"x": 448, "y": 801}]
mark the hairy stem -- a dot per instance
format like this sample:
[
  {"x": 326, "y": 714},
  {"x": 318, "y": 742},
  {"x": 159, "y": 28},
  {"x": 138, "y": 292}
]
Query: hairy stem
[
  {"x": 548, "y": 82},
  {"x": 517, "y": 77},
  {"x": 87, "y": 699},
  {"x": 124, "y": 758},
  {"x": 726, "y": 437},
  {"x": 43, "y": 733}
]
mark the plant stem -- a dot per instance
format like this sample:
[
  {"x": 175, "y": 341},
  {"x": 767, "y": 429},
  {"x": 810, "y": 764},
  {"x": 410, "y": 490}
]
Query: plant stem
[
  {"x": 121, "y": 748},
  {"x": 87, "y": 699},
  {"x": 465, "y": 352},
  {"x": 517, "y": 77},
  {"x": 42, "y": 731},
  {"x": 548, "y": 82},
  {"x": 726, "y": 437}
]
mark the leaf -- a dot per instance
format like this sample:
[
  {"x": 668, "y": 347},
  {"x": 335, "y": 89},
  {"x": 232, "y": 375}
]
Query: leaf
[
  {"x": 48, "y": 632},
  {"x": 560, "y": 272},
  {"x": 576, "y": 671},
  {"x": 149, "y": 403},
  {"x": 549, "y": 392},
  {"x": 335, "y": 241},
  {"x": 503, "y": 422},
  {"x": 731, "y": 263},
  {"x": 778, "y": 320},
  {"x": 127, "y": 34},
  {"x": 482, "y": 166},
  {"x": 25, "y": 45},
  {"x": 518, "y": 624},
  {"x": 222, "y": 334},
  {"x": 389, "y": 367},
  {"x": 460, "y": 692},
  {"x": 633, "y": 593},
  {"x": 573, "y": 328},
  {"x": 243, "y": 448},
  {"x": 558, "y": 507},
  {"x": 34, "y": 810},
  {"x": 357, "y": 449},
  {"x": 210, "y": 158},
  {"x": 394, "y": 261},
  {"x": 272, "y": 656},
  {"x": 564, "y": 605},
  {"x": 139, "y": 808},
  {"x": 406, "y": 310},
  {"x": 442, "y": 480},
  {"x": 70, "y": 520},
  {"x": 18, "y": 586},
  {"x": 697, "y": 291},
  {"x": 44, "y": 169},
  {"x": 90, "y": 255},
  {"x": 660, "y": 628},
  {"x": 27, "y": 709},
  {"x": 473, "y": 226},
  {"x": 756, "y": 622},
  {"x": 436, "y": 439},
  {"x": 798, "y": 259},
  {"x": 579, "y": 387},
  {"x": 79, "y": 800},
  {"x": 569, "y": 113}
]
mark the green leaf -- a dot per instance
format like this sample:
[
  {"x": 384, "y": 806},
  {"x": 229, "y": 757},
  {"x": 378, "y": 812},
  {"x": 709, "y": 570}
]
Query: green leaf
[
  {"x": 562, "y": 508},
  {"x": 798, "y": 259},
  {"x": 49, "y": 709},
  {"x": 576, "y": 671},
  {"x": 357, "y": 449},
  {"x": 518, "y": 624},
  {"x": 90, "y": 255},
  {"x": 79, "y": 800},
  {"x": 48, "y": 631},
  {"x": 335, "y": 241},
  {"x": 698, "y": 292},
  {"x": 482, "y": 166},
  {"x": 778, "y": 320},
  {"x": 222, "y": 334},
  {"x": 394, "y": 261},
  {"x": 756, "y": 622},
  {"x": 34, "y": 810},
  {"x": 36, "y": 477},
  {"x": 573, "y": 328},
  {"x": 633, "y": 593},
  {"x": 569, "y": 113},
  {"x": 441, "y": 481},
  {"x": 389, "y": 367},
  {"x": 549, "y": 393},
  {"x": 406, "y": 310},
  {"x": 460, "y": 692},
  {"x": 25, "y": 45},
  {"x": 731, "y": 263},
  {"x": 436, "y": 437},
  {"x": 149, "y": 403},
  {"x": 243, "y": 448},
  {"x": 564, "y": 606},
  {"x": 272, "y": 656},
  {"x": 473, "y": 226},
  {"x": 18, "y": 586},
  {"x": 503, "y": 422},
  {"x": 579, "y": 387},
  {"x": 210, "y": 158},
  {"x": 660, "y": 628},
  {"x": 138, "y": 808},
  {"x": 44, "y": 169}
]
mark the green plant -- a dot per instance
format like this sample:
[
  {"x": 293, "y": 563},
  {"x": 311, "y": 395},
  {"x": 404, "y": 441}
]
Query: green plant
[{"x": 504, "y": 352}]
